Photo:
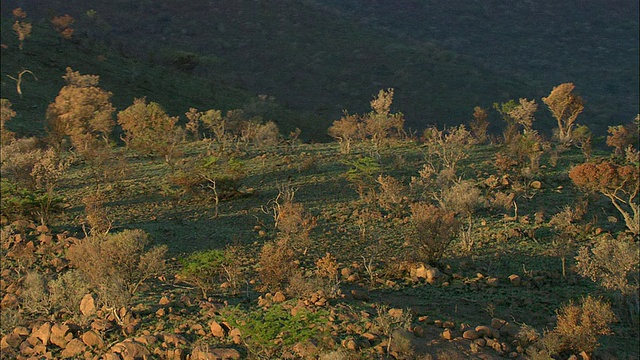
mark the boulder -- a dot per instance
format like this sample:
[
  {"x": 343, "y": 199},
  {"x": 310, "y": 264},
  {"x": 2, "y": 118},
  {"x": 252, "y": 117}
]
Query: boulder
[
  {"x": 470, "y": 334},
  {"x": 43, "y": 333},
  {"x": 515, "y": 280},
  {"x": 60, "y": 335},
  {"x": 92, "y": 339},
  {"x": 216, "y": 329},
  {"x": 130, "y": 349},
  {"x": 88, "y": 305},
  {"x": 73, "y": 348}
]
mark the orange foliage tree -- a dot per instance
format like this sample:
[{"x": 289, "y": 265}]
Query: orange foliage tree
[
  {"x": 22, "y": 28},
  {"x": 82, "y": 111},
  {"x": 619, "y": 183},
  {"x": 565, "y": 106},
  {"x": 62, "y": 24}
]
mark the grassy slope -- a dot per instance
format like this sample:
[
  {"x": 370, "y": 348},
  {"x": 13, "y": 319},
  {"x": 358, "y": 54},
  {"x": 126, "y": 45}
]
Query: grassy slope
[
  {"x": 308, "y": 58},
  {"x": 145, "y": 200}
]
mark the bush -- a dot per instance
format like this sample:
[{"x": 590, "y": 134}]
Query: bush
[
  {"x": 267, "y": 332},
  {"x": 579, "y": 326},
  {"x": 614, "y": 264},
  {"x": 208, "y": 269},
  {"x": 68, "y": 290},
  {"x": 117, "y": 264},
  {"x": 149, "y": 130},
  {"x": 434, "y": 231},
  {"x": 276, "y": 265}
]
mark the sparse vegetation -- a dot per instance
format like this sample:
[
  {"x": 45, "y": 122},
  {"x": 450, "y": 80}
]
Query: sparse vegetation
[{"x": 382, "y": 245}]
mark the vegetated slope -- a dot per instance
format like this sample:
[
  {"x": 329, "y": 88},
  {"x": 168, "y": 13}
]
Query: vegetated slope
[
  {"x": 47, "y": 55},
  {"x": 305, "y": 56},
  {"x": 593, "y": 44}
]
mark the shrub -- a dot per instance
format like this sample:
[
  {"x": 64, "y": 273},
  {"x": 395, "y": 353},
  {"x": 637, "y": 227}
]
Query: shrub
[
  {"x": 117, "y": 264},
  {"x": 267, "y": 331},
  {"x": 622, "y": 136},
  {"x": 21, "y": 28},
  {"x": 96, "y": 214},
  {"x": 148, "y": 129},
  {"x": 276, "y": 264},
  {"x": 35, "y": 294},
  {"x": 380, "y": 124},
  {"x": 579, "y": 325},
  {"x": 434, "y": 231},
  {"x": 62, "y": 24},
  {"x": 6, "y": 114},
  {"x": 363, "y": 176},
  {"x": 614, "y": 264},
  {"x": 68, "y": 290},
  {"x": 448, "y": 146},
  {"x": 208, "y": 269},
  {"x": 479, "y": 125},
  {"x": 463, "y": 198}
]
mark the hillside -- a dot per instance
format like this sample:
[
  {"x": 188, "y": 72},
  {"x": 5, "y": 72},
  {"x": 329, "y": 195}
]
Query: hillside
[
  {"x": 593, "y": 44},
  {"x": 307, "y": 57},
  {"x": 46, "y": 55}
]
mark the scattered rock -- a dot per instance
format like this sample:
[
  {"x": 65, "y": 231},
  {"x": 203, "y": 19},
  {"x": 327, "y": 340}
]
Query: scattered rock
[
  {"x": 236, "y": 336},
  {"x": 493, "y": 282},
  {"x": 279, "y": 297},
  {"x": 60, "y": 335},
  {"x": 10, "y": 341},
  {"x": 536, "y": 185},
  {"x": 395, "y": 313},
  {"x": 88, "y": 305},
  {"x": 175, "y": 340},
  {"x": 74, "y": 348},
  {"x": 130, "y": 349},
  {"x": 216, "y": 329},
  {"x": 470, "y": 334},
  {"x": 225, "y": 354},
  {"x": 483, "y": 330},
  {"x": 164, "y": 301},
  {"x": 447, "y": 334},
  {"x": 92, "y": 339},
  {"x": 9, "y": 301},
  {"x": 43, "y": 333}
]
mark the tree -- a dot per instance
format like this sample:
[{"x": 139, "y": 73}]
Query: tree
[
  {"x": 380, "y": 124},
  {"x": 148, "y": 129},
  {"x": 619, "y": 183},
  {"x": 346, "y": 130},
  {"x": 565, "y": 108},
  {"x": 62, "y": 24},
  {"x": 479, "y": 125},
  {"x": 82, "y": 111},
  {"x": 22, "y": 28},
  {"x": 6, "y": 114}
]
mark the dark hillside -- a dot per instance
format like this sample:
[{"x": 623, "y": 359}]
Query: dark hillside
[
  {"x": 307, "y": 57},
  {"x": 593, "y": 44}
]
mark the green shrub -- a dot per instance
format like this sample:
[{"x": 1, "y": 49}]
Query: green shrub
[
  {"x": 270, "y": 330},
  {"x": 208, "y": 269}
]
